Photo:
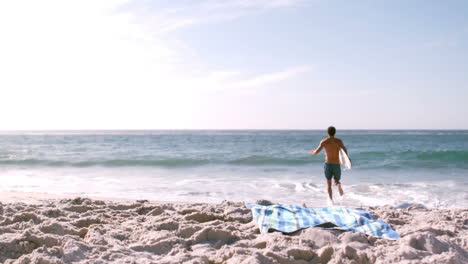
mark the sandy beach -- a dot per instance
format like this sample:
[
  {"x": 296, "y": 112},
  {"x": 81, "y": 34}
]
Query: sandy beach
[
  {"x": 43, "y": 228},
  {"x": 233, "y": 132}
]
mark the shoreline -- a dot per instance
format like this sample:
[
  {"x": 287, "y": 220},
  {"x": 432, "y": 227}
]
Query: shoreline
[
  {"x": 37, "y": 227},
  {"x": 40, "y": 197}
]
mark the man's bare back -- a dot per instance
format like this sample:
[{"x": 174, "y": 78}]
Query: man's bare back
[{"x": 332, "y": 148}]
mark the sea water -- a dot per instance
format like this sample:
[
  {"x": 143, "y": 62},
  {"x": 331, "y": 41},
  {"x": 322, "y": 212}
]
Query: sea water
[{"x": 389, "y": 167}]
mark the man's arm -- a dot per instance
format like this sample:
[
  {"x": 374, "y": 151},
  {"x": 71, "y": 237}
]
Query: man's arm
[
  {"x": 343, "y": 147},
  {"x": 317, "y": 150}
]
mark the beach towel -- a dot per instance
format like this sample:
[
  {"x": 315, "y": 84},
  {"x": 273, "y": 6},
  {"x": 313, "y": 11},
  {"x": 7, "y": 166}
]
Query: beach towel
[{"x": 290, "y": 218}]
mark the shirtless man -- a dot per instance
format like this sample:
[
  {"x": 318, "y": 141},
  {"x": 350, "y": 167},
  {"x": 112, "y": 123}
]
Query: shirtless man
[{"x": 332, "y": 167}]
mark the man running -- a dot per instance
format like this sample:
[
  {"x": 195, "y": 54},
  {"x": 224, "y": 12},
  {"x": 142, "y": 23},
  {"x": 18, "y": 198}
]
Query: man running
[{"x": 332, "y": 167}]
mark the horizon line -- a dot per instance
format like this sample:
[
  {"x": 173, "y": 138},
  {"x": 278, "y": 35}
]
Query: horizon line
[{"x": 237, "y": 129}]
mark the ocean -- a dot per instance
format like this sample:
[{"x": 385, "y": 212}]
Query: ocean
[{"x": 390, "y": 167}]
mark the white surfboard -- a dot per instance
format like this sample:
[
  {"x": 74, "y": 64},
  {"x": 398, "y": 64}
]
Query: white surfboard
[{"x": 344, "y": 160}]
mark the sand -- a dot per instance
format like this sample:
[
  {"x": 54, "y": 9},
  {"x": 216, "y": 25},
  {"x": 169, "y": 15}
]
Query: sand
[{"x": 38, "y": 228}]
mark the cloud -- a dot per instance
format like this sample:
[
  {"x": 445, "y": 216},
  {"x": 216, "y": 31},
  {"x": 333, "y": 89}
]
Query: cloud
[
  {"x": 269, "y": 78},
  {"x": 181, "y": 14},
  {"x": 237, "y": 82},
  {"x": 89, "y": 65}
]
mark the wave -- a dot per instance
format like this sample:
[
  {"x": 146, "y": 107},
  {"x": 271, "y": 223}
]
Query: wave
[
  {"x": 416, "y": 155},
  {"x": 174, "y": 162},
  {"x": 372, "y": 159},
  {"x": 410, "y": 159},
  {"x": 109, "y": 163},
  {"x": 265, "y": 160},
  {"x": 444, "y": 155}
]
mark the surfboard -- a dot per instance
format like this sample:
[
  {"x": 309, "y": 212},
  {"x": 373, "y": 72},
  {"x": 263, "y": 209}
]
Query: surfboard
[{"x": 344, "y": 160}]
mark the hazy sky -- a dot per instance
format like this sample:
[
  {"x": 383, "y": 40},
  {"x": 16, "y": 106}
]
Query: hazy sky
[{"x": 256, "y": 64}]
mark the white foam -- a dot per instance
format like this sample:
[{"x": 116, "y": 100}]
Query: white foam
[{"x": 169, "y": 185}]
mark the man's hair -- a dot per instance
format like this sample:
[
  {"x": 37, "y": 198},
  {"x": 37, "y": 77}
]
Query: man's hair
[{"x": 331, "y": 131}]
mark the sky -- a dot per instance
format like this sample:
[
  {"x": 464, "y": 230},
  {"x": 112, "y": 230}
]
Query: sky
[{"x": 234, "y": 64}]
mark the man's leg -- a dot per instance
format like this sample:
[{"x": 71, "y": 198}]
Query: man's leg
[
  {"x": 329, "y": 189},
  {"x": 338, "y": 184},
  {"x": 329, "y": 176},
  {"x": 337, "y": 176}
]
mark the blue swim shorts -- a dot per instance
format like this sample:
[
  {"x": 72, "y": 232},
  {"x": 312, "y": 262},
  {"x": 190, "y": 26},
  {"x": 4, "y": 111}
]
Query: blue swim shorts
[{"x": 332, "y": 171}]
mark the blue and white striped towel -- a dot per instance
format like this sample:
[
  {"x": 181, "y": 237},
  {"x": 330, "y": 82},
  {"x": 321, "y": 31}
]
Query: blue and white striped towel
[{"x": 290, "y": 218}]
